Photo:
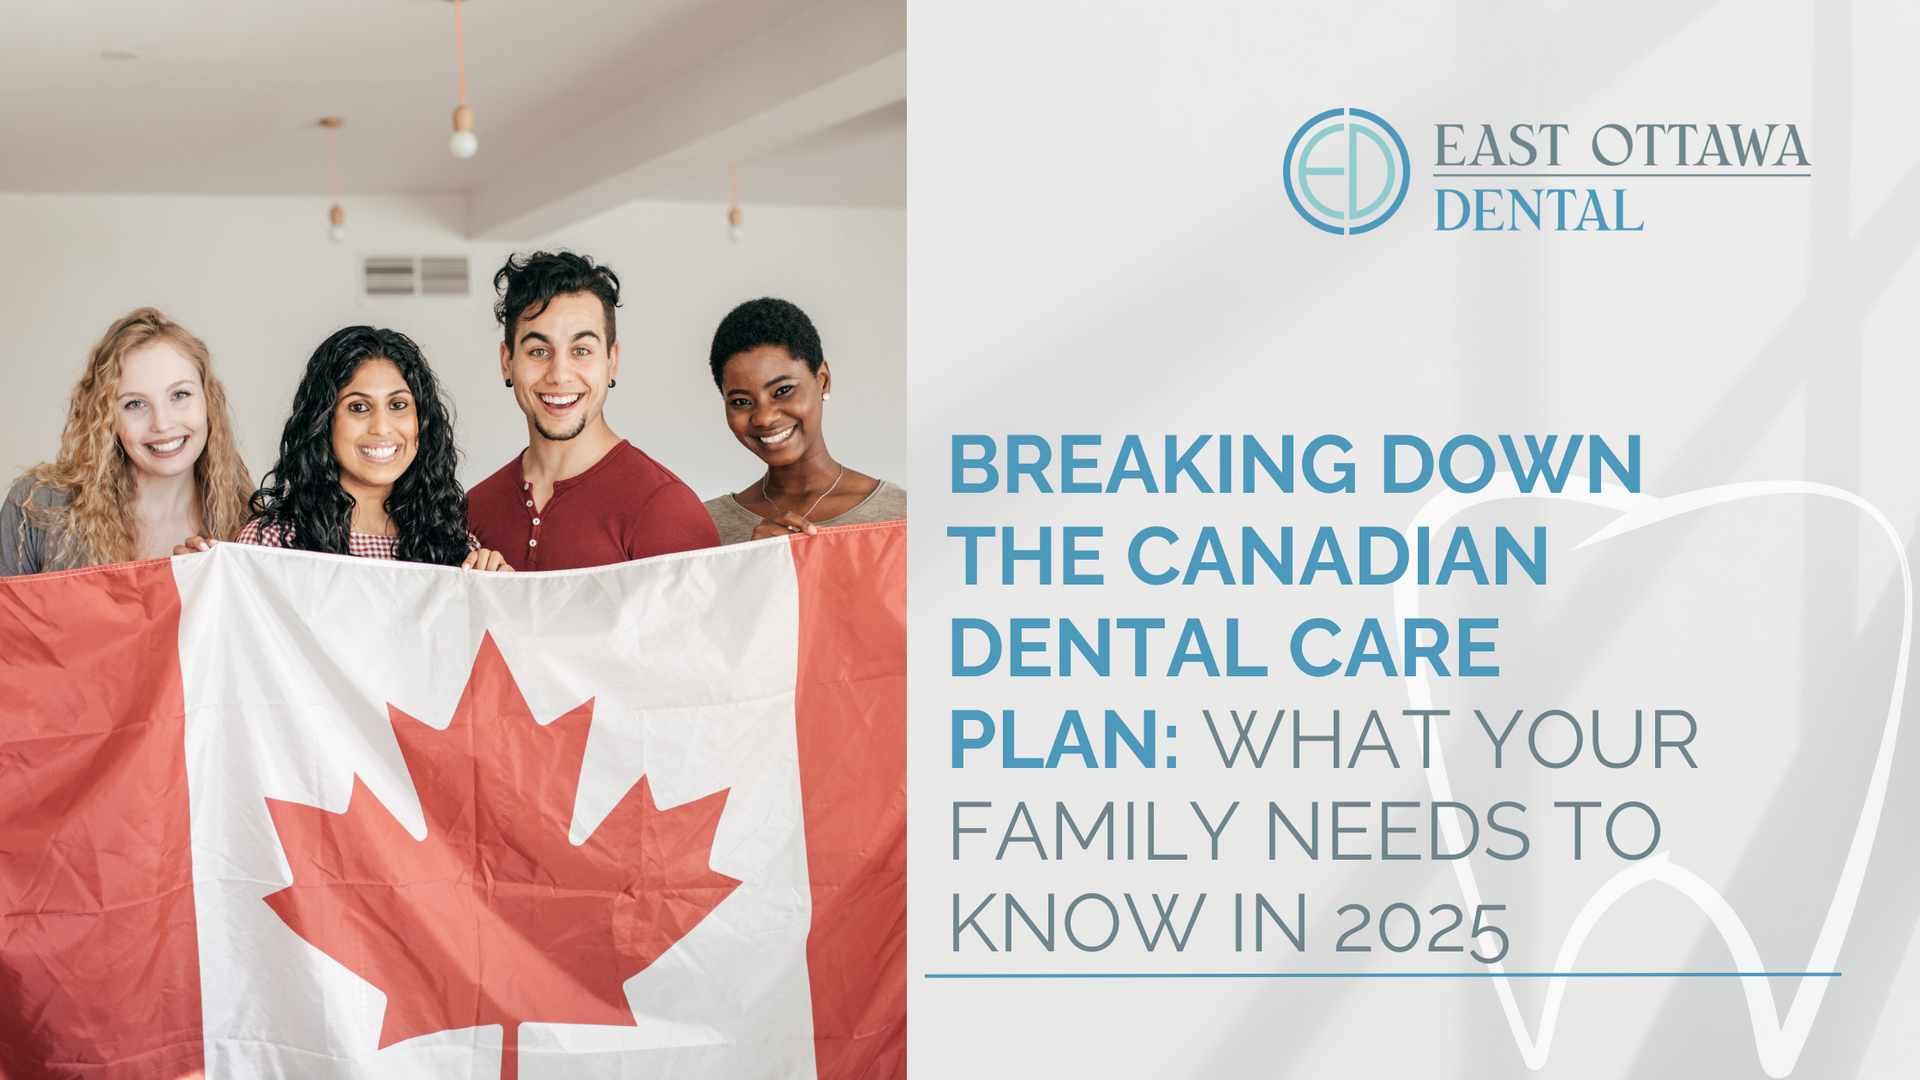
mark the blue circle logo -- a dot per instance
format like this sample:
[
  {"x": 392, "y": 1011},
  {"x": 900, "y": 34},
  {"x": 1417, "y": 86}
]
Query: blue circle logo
[{"x": 1347, "y": 171}]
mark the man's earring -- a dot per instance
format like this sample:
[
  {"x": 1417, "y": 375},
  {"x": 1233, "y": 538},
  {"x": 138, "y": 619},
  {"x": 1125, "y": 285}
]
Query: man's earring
[
  {"x": 826, "y": 396},
  {"x": 611, "y": 383},
  {"x": 509, "y": 382}
]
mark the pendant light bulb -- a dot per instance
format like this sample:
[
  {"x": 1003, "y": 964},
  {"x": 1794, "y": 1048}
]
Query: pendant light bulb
[
  {"x": 464, "y": 142},
  {"x": 337, "y": 227},
  {"x": 736, "y": 230}
]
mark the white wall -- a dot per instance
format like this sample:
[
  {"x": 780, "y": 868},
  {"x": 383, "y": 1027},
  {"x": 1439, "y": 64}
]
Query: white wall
[{"x": 256, "y": 278}]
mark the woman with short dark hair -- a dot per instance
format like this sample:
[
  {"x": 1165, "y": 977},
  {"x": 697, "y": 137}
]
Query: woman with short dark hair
[{"x": 774, "y": 380}]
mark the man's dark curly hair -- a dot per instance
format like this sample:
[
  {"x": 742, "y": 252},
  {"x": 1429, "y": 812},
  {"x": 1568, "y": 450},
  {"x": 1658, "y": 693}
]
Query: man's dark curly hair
[
  {"x": 528, "y": 283},
  {"x": 765, "y": 321},
  {"x": 302, "y": 493}
]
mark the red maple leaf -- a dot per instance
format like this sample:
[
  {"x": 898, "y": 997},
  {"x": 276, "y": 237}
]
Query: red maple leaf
[{"x": 495, "y": 918}]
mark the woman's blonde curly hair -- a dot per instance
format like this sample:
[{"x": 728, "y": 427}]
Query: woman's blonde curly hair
[{"x": 97, "y": 524}]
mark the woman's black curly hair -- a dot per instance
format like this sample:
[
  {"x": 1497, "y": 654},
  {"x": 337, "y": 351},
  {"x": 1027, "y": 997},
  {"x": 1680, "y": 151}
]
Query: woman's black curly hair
[{"x": 302, "y": 493}]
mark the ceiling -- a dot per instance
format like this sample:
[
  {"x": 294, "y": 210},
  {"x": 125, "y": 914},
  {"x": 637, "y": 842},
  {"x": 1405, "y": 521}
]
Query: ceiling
[
  {"x": 581, "y": 104},
  {"x": 858, "y": 162}
]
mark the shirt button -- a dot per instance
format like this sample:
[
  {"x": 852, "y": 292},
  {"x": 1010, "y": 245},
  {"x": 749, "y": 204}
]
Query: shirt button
[
  {"x": 533, "y": 543},
  {"x": 536, "y": 521},
  {"x": 529, "y": 502}
]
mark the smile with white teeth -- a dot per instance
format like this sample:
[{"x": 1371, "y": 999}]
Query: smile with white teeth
[
  {"x": 559, "y": 401},
  {"x": 384, "y": 452},
  {"x": 167, "y": 447},
  {"x": 776, "y": 440}
]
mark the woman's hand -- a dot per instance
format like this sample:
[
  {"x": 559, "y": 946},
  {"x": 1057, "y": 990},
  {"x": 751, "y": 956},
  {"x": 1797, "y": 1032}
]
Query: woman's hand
[
  {"x": 192, "y": 544},
  {"x": 786, "y": 524},
  {"x": 486, "y": 560}
]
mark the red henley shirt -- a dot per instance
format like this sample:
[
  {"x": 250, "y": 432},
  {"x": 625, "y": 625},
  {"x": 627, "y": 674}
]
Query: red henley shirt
[{"x": 627, "y": 506}]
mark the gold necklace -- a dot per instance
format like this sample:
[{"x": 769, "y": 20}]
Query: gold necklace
[{"x": 836, "y": 483}]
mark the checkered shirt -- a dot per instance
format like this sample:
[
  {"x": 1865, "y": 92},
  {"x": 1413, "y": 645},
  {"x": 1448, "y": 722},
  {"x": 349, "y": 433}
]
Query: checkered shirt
[{"x": 363, "y": 545}]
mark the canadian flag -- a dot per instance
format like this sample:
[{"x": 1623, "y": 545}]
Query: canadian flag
[{"x": 272, "y": 813}]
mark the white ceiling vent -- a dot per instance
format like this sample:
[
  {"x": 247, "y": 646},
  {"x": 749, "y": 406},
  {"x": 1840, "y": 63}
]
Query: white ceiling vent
[
  {"x": 443, "y": 275},
  {"x": 389, "y": 275},
  {"x": 385, "y": 276}
]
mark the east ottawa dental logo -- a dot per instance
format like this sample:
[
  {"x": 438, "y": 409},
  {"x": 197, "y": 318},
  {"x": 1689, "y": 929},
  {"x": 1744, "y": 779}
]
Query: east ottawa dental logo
[{"x": 1487, "y": 181}]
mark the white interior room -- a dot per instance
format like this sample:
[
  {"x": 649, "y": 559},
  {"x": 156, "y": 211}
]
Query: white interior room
[{"x": 171, "y": 155}]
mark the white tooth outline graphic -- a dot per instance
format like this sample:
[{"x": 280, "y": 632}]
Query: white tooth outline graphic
[{"x": 1778, "y": 1044}]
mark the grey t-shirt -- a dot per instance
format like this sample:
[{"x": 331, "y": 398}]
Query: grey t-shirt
[
  {"x": 736, "y": 523},
  {"x": 25, "y": 547}
]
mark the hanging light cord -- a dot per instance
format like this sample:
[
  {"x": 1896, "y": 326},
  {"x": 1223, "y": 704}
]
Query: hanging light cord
[
  {"x": 733, "y": 179},
  {"x": 460, "y": 51},
  {"x": 333, "y": 161}
]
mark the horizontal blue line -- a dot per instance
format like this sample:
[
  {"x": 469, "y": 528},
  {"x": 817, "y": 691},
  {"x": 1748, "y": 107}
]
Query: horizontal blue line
[{"x": 1380, "y": 975}]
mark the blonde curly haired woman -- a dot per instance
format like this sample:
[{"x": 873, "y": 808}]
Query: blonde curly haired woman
[{"x": 148, "y": 458}]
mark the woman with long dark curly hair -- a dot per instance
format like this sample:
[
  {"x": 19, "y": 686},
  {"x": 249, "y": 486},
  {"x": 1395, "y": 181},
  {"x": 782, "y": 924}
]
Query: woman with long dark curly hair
[{"x": 367, "y": 460}]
